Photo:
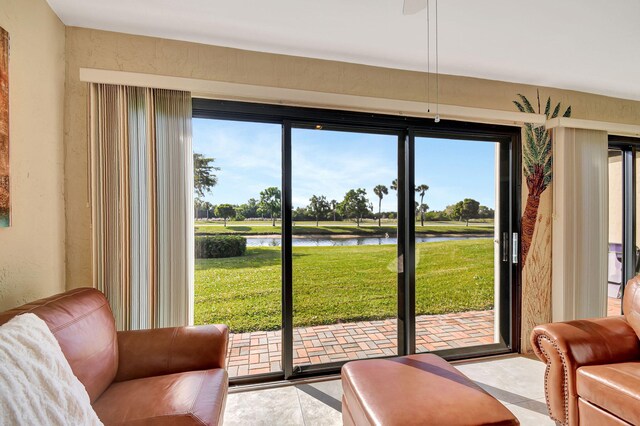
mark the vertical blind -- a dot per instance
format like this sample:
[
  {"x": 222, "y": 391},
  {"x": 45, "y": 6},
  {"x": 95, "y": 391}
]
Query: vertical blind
[{"x": 142, "y": 203}]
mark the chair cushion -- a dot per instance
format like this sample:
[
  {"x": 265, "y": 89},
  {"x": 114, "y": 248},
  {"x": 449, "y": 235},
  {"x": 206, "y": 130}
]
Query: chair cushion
[
  {"x": 416, "y": 390},
  {"x": 191, "y": 398},
  {"x": 82, "y": 323},
  {"x": 589, "y": 414},
  {"x": 612, "y": 387},
  {"x": 631, "y": 303}
]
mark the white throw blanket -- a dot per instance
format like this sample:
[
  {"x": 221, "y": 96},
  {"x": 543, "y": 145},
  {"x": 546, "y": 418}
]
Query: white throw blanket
[{"x": 37, "y": 386}]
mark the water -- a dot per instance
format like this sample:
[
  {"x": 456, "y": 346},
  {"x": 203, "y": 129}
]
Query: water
[{"x": 351, "y": 241}]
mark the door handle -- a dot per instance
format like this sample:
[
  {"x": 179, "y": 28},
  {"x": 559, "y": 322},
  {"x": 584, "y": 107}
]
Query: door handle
[{"x": 505, "y": 246}]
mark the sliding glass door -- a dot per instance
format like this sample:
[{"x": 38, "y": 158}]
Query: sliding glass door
[
  {"x": 462, "y": 235},
  {"x": 624, "y": 212},
  {"x": 238, "y": 274},
  {"x": 344, "y": 245},
  {"x": 366, "y": 236}
]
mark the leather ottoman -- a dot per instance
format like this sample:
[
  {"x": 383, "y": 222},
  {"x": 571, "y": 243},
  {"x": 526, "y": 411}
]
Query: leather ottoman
[{"x": 416, "y": 390}]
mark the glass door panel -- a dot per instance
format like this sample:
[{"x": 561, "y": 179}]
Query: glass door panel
[
  {"x": 344, "y": 245},
  {"x": 240, "y": 289},
  {"x": 457, "y": 243},
  {"x": 624, "y": 211},
  {"x": 616, "y": 216}
]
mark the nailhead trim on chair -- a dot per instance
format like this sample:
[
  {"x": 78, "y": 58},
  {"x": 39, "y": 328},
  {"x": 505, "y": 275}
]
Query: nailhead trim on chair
[{"x": 546, "y": 375}]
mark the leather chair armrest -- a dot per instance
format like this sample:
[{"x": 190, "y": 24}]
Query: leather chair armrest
[
  {"x": 567, "y": 346},
  {"x": 147, "y": 353}
]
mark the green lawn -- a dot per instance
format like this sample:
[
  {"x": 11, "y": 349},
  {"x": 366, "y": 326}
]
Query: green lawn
[
  {"x": 341, "y": 284},
  {"x": 341, "y": 228}
]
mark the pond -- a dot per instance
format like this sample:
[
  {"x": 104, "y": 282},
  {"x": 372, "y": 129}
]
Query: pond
[{"x": 345, "y": 241}]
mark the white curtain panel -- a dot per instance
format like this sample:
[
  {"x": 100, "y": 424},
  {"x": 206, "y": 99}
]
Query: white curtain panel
[{"x": 142, "y": 203}]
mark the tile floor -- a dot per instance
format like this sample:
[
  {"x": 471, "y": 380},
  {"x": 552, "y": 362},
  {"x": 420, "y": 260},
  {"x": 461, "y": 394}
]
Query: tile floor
[
  {"x": 517, "y": 381},
  {"x": 259, "y": 352}
]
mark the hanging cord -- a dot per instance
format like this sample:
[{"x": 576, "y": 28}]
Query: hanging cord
[
  {"x": 428, "y": 60},
  {"x": 437, "y": 119}
]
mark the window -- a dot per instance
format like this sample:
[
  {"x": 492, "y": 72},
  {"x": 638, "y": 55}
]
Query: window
[
  {"x": 387, "y": 230},
  {"x": 624, "y": 247}
]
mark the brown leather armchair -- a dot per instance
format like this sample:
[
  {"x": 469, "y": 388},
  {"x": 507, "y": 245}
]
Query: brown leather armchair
[
  {"x": 593, "y": 366},
  {"x": 163, "y": 376}
]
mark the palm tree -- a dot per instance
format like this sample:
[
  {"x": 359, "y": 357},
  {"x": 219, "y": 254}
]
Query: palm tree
[
  {"x": 423, "y": 209},
  {"x": 333, "y": 203},
  {"x": 394, "y": 185},
  {"x": 197, "y": 205},
  {"x": 422, "y": 189},
  {"x": 207, "y": 206},
  {"x": 380, "y": 191},
  {"x": 537, "y": 165}
]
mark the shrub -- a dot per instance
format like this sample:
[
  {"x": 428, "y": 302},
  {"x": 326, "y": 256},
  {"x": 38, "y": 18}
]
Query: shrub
[
  {"x": 210, "y": 247},
  {"x": 239, "y": 217}
]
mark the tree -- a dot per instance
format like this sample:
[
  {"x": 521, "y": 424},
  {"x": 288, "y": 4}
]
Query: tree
[
  {"x": 394, "y": 185},
  {"x": 454, "y": 211},
  {"x": 204, "y": 177},
  {"x": 485, "y": 212},
  {"x": 380, "y": 191},
  {"x": 249, "y": 209},
  {"x": 355, "y": 204},
  {"x": 300, "y": 213},
  {"x": 470, "y": 209},
  {"x": 207, "y": 207},
  {"x": 422, "y": 209},
  {"x": 333, "y": 203},
  {"x": 537, "y": 165},
  {"x": 225, "y": 211},
  {"x": 463, "y": 210},
  {"x": 318, "y": 206},
  {"x": 422, "y": 189},
  {"x": 270, "y": 202},
  {"x": 197, "y": 205}
]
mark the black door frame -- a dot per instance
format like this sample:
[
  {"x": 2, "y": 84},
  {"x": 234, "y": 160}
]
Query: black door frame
[
  {"x": 628, "y": 147},
  {"x": 406, "y": 129}
]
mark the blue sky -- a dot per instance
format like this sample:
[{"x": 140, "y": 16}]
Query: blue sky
[{"x": 330, "y": 163}]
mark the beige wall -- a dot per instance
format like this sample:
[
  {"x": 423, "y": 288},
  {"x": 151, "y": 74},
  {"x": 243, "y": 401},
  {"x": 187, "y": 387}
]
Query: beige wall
[
  {"x": 114, "y": 51},
  {"x": 32, "y": 255}
]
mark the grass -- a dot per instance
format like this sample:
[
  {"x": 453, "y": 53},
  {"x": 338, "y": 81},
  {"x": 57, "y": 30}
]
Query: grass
[
  {"x": 341, "y": 284},
  {"x": 341, "y": 228},
  {"x": 365, "y": 222}
]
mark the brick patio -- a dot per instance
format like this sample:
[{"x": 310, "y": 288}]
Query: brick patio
[
  {"x": 259, "y": 352},
  {"x": 614, "y": 306}
]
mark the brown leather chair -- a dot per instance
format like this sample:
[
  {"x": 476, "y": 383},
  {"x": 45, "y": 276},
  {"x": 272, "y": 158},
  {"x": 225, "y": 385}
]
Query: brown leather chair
[
  {"x": 593, "y": 366},
  {"x": 163, "y": 376}
]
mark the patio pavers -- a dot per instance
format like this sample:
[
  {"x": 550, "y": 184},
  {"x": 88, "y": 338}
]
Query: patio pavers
[
  {"x": 260, "y": 351},
  {"x": 614, "y": 306}
]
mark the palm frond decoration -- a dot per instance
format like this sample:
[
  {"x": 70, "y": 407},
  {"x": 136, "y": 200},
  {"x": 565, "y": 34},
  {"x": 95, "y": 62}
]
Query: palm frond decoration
[{"x": 537, "y": 161}]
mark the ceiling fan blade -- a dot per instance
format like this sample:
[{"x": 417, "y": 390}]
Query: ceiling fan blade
[{"x": 413, "y": 6}]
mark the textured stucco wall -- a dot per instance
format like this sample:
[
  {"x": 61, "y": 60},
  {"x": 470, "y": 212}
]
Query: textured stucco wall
[
  {"x": 113, "y": 51},
  {"x": 32, "y": 250}
]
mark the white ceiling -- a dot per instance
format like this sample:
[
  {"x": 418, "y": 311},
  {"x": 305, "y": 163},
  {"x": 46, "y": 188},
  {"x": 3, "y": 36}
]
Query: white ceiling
[{"x": 586, "y": 45}]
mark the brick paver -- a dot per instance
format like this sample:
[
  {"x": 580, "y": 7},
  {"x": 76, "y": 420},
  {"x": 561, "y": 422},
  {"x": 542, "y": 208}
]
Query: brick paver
[
  {"x": 614, "y": 306},
  {"x": 260, "y": 351}
]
